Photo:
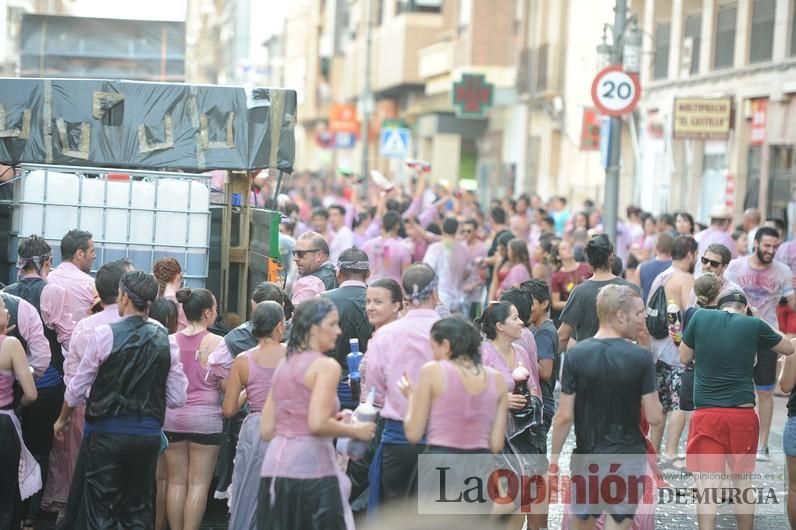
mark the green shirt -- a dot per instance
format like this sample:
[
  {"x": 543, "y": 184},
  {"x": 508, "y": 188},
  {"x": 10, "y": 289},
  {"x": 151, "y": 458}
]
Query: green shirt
[{"x": 725, "y": 345}]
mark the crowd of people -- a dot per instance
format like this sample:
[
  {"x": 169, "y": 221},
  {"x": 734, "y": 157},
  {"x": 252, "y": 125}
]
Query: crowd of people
[{"x": 125, "y": 401}]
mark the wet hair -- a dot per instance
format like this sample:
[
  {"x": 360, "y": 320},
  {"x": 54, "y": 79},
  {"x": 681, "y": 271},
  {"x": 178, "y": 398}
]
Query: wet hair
[
  {"x": 165, "y": 270},
  {"x": 721, "y": 250},
  {"x": 450, "y": 226},
  {"x": 308, "y": 313},
  {"x": 271, "y": 291},
  {"x": 396, "y": 294},
  {"x": 195, "y": 302},
  {"x": 614, "y": 298},
  {"x": 538, "y": 290},
  {"x": 461, "y": 334},
  {"x": 419, "y": 282},
  {"x": 108, "y": 278},
  {"x": 165, "y": 311},
  {"x": 682, "y": 246},
  {"x": 706, "y": 288},
  {"x": 73, "y": 241},
  {"x": 494, "y": 314},
  {"x": 140, "y": 287},
  {"x": 688, "y": 217},
  {"x": 598, "y": 252},
  {"x": 391, "y": 221},
  {"x": 266, "y": 316},
  {"x": 765, "y": 231},
  {"x": 33, "y": 251},
  {"x": 337, "y": 207},
  {"x": 521, "y": 299},
  {"x": 498, "y": 215}
]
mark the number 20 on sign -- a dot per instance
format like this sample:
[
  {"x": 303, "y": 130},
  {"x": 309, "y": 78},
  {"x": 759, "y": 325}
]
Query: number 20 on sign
[{"x": 614, "y": 91}]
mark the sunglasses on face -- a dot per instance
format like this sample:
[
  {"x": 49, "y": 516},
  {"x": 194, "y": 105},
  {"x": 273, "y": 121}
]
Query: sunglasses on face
[
  {"x": 300, "y": 253},
  {"x": 712, "y": 263}
]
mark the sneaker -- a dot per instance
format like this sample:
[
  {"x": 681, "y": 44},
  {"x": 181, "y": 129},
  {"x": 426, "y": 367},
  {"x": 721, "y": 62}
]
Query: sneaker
[{"x": 762, "y": 454}]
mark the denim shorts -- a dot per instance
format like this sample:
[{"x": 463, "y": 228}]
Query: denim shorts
[{"x": 789, "y": 437}]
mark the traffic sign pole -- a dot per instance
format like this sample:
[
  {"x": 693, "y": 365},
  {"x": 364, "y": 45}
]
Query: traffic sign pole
[{"x": 615, "y": 93}]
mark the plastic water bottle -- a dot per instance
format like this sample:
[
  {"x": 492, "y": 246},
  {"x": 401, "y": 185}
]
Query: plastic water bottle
[
  {"x": 365, "y": 413},
  {"x": 353, "y": 360},
  {"x": 675, "y": 320}
]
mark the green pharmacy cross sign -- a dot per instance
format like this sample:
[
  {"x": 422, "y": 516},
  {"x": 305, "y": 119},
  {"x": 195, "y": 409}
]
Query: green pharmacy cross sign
[{"x": 472, "y": 96}]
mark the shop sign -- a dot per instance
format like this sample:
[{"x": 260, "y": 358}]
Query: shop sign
[{"x": 702, "y": 117}]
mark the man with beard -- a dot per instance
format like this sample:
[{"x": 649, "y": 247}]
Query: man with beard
[
  {"x": 765, "y": 282},
  {"x": 677, "y": 282}
]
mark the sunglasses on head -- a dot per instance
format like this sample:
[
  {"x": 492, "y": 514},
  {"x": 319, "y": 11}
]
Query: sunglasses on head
[
  {"x": 301, "y": 253},
  {"x": 712, "y": 263}
]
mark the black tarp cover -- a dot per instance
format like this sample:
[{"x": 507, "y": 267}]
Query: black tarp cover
[{"x": 138, "y": 125}]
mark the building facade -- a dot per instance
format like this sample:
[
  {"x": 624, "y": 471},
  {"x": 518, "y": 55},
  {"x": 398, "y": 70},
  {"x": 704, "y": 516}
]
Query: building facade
[{"x": 740, "y": 50}]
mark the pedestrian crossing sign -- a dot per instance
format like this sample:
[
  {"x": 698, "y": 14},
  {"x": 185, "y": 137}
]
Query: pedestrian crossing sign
[{"x": 395, "y": 142}]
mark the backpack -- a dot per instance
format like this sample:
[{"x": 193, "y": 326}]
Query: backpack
[{"x": 657, "y": 323}]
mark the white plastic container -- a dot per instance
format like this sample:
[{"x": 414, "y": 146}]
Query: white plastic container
[{"x": 142, "y": 220}]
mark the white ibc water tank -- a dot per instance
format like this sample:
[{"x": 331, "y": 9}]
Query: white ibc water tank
[
  {"x": 143, "y": 220},
  {"x": 182, "y": 221},
  {"x": 59, "y": 194}
]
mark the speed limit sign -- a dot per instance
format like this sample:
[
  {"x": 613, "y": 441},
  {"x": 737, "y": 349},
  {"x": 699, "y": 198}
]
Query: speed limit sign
[{"x": 614, "y": 91}]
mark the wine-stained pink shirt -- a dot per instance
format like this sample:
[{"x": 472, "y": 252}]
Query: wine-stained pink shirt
[
  {"x": 403, "y": 346},
  {"x": 31, "y": 329},
  {"x": 98, "y": 349},
  {"x": 388, "y": 257},
  {"x": 80, "y": 288},
  {"x": 82, "y": 334}
]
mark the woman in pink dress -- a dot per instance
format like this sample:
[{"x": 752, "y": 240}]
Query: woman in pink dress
[
  {"x": 20, "y": 476},
  {"x": 503, "y": 326},
  {"x": 250, "y": 380},
  {"x": 193, "y": 430},
  {"x": 459, "y": 404},
  {"x": 302, "y": 487},
  {"x": 168, "y": 273}
]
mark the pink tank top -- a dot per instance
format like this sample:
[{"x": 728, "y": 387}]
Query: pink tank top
[
  {"x": 459, "y": 419},
  {"x": 295, "y": 452},
  {"x": 202, "y": 410},
  {"x": 6, "y": 384},
  {"x": 259, "y": 384}
]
